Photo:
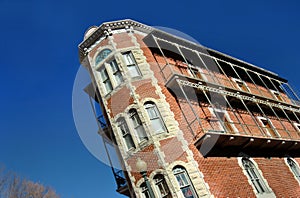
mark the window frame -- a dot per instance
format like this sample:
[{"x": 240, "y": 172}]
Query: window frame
[
  {"x": 265, "y": 129},
  {"x": 257, "y": 180},
  {"x": 221, "y": 123},
  {"x": 133, "y": 64},
  {"x": 276, "y": 95},
  {"x": 137, "y": 125},
  {"x": 144, "y": 190},
  {"x": 199, "y": 72},
  {"x": 296, "y": 126},
  {"x": 187, "y": 183},
  {"x": 116, "y": 72},
  {"x": 105, "y": 81},
  {"x": 158, "y": 117},
  {"x": 238, "y": 82},
  {"x": 122, "y": 124},
  {"x": 97, "y": 62},
  {"x": 296, "y": 170},
  {"x": 111, "y": 74},
  {"x": 161, "y": 182}
]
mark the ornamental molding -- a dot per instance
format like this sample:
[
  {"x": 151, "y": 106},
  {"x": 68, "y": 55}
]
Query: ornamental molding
[
  {"x": 107, "y": 29},
  {"x": 236, "y": 95}
]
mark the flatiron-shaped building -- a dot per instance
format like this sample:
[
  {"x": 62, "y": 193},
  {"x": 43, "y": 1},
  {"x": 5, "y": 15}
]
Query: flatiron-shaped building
[{"x": 206, "y": 124}]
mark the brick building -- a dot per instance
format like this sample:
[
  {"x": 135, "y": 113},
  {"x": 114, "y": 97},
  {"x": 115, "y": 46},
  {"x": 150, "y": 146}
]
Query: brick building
[{"x": 206, "y": 124}]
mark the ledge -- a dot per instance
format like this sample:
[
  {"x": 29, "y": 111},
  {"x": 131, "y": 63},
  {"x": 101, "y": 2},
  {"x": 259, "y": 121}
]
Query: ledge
[{"x": 213, "y": 144}]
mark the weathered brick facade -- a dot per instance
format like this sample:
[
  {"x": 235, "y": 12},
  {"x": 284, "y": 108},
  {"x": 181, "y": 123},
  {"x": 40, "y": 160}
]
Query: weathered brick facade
[{"x": 214, "y": 99}]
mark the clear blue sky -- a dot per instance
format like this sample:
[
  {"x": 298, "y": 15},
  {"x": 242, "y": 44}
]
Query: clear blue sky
[{"x": 39, "y": 62}]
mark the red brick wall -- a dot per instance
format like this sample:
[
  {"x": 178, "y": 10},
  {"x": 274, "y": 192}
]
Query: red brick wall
[
  {"x": 123, "y": 40},
  {"x": 224, "y": 175},
  {"x": 115, "y": 105},
  {"x": 279, "y": 177}
]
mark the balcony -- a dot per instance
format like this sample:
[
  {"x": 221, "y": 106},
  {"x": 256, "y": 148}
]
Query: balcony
[
  {"x": 217, "y": 135},
  {"x": 213, "y": 144},
  {"x": 122, "y": 186}
]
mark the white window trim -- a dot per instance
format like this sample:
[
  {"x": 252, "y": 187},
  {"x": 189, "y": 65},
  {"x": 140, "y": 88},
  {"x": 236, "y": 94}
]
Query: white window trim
[
  {"x": 236, "y": 80},
  {"x": 259, "y": 195},
  {"x": 275, "y": 93},
  {"x": 260, "y": 118},
  {"x": 190, "y": 181},
  {"x": 134, "y": 131},
  {"x": 109, "y": 56},
  {"x": 286, "y": 161},
  {"x": 213, "y": 110},
  {"x": 135, "y": 64},
  {"x": 106, "y": 92},
  {"x": 199, "y": 70},
  {"x": 160, "y": 118},
  {"x": 130, "y": 132},
  {"x": 297, "y": 126},
  {"x": 110, "y": 74},
  {"x": 113, "y": 79}
]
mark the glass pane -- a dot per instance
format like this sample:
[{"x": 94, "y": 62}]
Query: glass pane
[
  {"x": 102, "y": 55},
  {"x": 114, "y": 66},
  {"x": 157, "y": 125},
  {"x": 152, "y": 112},
  {"x": 187, "y": 192},
  {"x": 184, "y": 178},
  {"x": 128, "y": 59},
  {"x": 103, "y": 74},
  {"x": 129, "y": 141},
  {"x": 135, "y": 120},
  {"x": 141, "y": 132},
  {"x": 108, "y": 86},
  {"x": 133, "y": 71},
  {"x": 118, "y": 78},
  {"x": 180, "y": 181}
]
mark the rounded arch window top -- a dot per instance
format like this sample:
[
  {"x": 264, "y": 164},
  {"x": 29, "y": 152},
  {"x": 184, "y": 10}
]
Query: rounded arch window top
[{"x": 102, "y": 55}]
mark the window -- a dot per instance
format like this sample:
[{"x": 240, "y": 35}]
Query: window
[
  {"x": 137, "y": 125},
  {"x": 294, "y": 167},
  {"x": 131, "y": 64},
  {"x": 228, "y": 128},
  {"x": 125, "y": 133},
  {"x": 184, "y": 182},
  {"x": 102, "y": 55},
  {"x": 241, "y": 85},
  {"x": 277, "y": 95},
  {"x": 155, "y": 118},
  {"x": 116, "y": 72},
  {"x": 254, "y": 176},
  {"x": 111, "y": 75},
  {"x": 225, "y": 123},
  {"x": 297, "y": 126},
  {"x": 145, "y": 190},
  {"x": 268, "y": 127},
  {"x": 161, "y": 186},
  {"x": 105, "y": 80},
  {"x": 194, "y": 72}
]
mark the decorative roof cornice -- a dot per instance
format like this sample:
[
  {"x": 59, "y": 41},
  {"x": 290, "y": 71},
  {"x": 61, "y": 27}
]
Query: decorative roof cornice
[{"x": 105, "y": 30}]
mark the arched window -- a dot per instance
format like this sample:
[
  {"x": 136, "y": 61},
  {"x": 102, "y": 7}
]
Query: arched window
[
  {"x": 254, "y": 176},
  {"x": 102, "y": 55},
  {"x": 161, "y": 186},
  {"x": 145, "y": 191},
  {"x": 125, "y": 133},
  {"x": 294, "y": 167},
  {"x": 155, "y": 118},
  {"x": 137, "y": 124},
  {"x": 184, "y": 182}
]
